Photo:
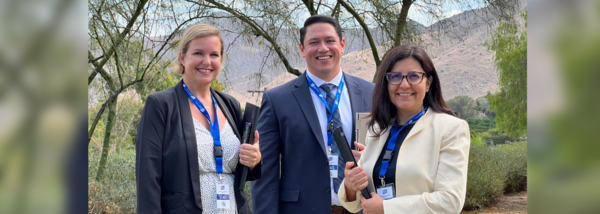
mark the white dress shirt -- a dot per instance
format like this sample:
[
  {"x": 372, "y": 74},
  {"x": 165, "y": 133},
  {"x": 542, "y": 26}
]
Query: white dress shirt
[{"x": 344, "y": 108}]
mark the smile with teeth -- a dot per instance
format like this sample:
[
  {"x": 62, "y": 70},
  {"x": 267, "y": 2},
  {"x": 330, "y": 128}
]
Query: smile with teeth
[
  {"x": 204, "y": 70},
  {"x": 324, "y": 57},
  {"x": 403, "y": 94}
]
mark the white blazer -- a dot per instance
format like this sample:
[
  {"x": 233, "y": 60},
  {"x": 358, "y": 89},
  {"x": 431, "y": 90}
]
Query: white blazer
[{"x": 431, "y": 171}]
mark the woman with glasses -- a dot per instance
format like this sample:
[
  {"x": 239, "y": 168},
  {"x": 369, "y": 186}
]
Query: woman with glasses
[{"x": 417, "y": 149}]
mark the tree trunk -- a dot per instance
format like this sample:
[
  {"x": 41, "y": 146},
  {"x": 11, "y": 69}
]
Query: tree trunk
[
  {"x": 106, "y": 144},
  {"x": 401, "y": 23}
]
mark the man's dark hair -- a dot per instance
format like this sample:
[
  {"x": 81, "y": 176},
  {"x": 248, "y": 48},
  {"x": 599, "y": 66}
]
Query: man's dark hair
[{"x": 320, "y": 19}]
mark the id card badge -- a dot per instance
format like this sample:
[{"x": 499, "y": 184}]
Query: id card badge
[
  {"x": 333, "y": 166},
  {"x": 223, "y": 196},
  {"x": 386, "y": 191}
]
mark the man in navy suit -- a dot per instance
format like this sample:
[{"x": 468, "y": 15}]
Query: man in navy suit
[{"x": 295, "y": 118}]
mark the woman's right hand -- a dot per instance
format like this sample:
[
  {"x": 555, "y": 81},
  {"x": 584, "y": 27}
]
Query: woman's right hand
[{"x": 355, "y": 178}]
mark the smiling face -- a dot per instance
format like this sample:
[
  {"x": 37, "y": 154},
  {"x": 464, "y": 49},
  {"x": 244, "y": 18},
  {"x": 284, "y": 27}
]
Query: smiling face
[
  {"x": 408, "y": 98},
  {"x": 202, "y": 61},
  {"x": 322, "y": 50}
]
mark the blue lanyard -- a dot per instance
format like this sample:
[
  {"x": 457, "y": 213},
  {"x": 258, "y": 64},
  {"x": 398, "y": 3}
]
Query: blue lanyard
[
  {"x": 392, "y": 143},
  {"x": 214, "y": 128},
  {"x": 338, "y": 95}
]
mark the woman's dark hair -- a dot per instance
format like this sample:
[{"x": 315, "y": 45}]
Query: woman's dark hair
[{"x": 382, "y": 108}]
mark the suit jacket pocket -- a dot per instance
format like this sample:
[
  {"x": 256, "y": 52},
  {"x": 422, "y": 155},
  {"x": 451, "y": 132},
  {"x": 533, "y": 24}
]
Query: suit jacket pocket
[
  {"x": 286, "y": 195},
  {"x": 172, "y": 203}
]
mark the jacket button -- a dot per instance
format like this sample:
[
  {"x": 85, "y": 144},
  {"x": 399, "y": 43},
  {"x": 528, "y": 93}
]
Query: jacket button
[{"x": 327, "y": 190}]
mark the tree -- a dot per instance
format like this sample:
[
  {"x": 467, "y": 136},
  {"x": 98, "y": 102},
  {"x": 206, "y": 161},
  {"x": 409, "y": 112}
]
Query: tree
[
  {"x": 465, "y": 106},
  {"x": 510, "y": 103},
  {"x": 125, "y": 47},
  {"x": 385, "y": 19}
]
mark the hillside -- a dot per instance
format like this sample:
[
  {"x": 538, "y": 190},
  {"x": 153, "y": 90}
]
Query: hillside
[{"x": 463, "y": 63}]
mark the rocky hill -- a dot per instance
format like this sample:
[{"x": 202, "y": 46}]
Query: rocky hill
[{"x": 463, "y": 63}]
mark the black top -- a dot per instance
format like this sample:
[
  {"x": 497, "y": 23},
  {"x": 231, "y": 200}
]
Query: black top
[{"x": 390, "y": 175}]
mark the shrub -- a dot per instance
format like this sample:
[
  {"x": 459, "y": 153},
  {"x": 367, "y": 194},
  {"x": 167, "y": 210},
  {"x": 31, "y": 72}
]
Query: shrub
[
  {"x": 516, "y": 166},
  {"x": 493, "y": 171},
  {"x": 485, "y": 177},
  {"x": 481, "y": 125},
  {"x": 115, "y": 192},
  {"x": 492, "y": 137}
]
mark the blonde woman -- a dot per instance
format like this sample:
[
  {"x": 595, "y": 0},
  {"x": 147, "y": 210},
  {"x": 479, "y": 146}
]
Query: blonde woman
[{"x": 188, "y": 153}]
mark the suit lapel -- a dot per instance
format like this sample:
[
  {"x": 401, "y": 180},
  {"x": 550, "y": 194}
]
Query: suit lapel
[
  {"x": 189, "y": 133},
  {"x": 356, "y": 102},
  {"x": 304, "y": 99}
]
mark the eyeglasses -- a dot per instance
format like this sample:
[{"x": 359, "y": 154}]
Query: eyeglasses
[{"x": 413, "y": 78}]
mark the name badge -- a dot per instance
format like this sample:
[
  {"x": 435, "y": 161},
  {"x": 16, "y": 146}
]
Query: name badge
[
  {"x": 333, "y": 166},
  {"x": 386, "y": 191},
  {"x": 223, "y": 196}
]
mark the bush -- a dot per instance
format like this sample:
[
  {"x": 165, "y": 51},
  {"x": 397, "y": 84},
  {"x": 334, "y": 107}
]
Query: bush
[
  {"x": 485, "y": 177},
  {"x": 516, "y": 165},
  {"x": 493, "y": 171},
  {"x": 481, "y": 125},
  {"x": 115, "y": 192}
]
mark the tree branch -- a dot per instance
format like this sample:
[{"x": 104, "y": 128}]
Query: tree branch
[
  {"x": 260, "y": 31},
  {"x": 367, "y": 32},
  {"x": 137, "y": 12}
]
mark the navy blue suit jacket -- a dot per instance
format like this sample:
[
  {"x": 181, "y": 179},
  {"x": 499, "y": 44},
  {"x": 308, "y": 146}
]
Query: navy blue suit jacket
[{"x": 289, "y": 128}]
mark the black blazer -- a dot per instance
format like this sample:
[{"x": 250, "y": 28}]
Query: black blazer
[{"x": 166, "y": 168}]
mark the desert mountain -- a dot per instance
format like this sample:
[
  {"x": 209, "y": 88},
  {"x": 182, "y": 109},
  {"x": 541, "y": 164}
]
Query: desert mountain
[{"x": 463, "y": 63}]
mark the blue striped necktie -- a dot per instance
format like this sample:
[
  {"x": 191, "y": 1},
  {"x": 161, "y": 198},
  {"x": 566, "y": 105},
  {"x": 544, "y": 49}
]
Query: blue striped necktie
[{"x": 331, "y": 89}]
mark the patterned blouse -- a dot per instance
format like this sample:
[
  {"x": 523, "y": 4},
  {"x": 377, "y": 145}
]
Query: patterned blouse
[{"x": 208, "y": 173}]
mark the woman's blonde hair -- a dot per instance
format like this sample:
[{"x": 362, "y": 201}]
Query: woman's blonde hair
[{"x": 196, "y": 31}]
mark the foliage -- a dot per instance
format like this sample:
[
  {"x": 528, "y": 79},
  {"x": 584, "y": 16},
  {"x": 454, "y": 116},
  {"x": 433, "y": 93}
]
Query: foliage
[
  {"x": 215, "y": 84},
  {"x": 493, "y": 171},
  {"x": 484, "y": 107},
  {"x": 492, "y": 137},
  {"x": 516, "y": 166},
  {"x": 116, "y": 191},
  {"x": 510, "y": 103},
  {"x": 484, "y": 177},
  {"x": 481, "y": 125},
  {"x": 464, "y": 105},
  {"x": 128, "y": 113}
]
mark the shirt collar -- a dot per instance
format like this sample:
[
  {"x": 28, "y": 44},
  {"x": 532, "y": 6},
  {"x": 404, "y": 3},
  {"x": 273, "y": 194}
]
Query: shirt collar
[{"x": 318, "y": 81}]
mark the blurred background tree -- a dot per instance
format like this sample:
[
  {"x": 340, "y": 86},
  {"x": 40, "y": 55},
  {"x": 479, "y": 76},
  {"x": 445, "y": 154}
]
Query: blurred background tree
[
  {"x": 465, "y": 106},
  {"x": 510, "y": 103}
]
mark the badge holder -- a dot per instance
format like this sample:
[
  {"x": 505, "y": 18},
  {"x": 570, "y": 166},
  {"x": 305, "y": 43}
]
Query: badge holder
[
  {"x": 333, "y": 165},
  {"x": 386, "y": 191},
  {"x": 333, "y": 159},
  {"x": 222, "y": 195},
  {"x": 222, "y": 190}
]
